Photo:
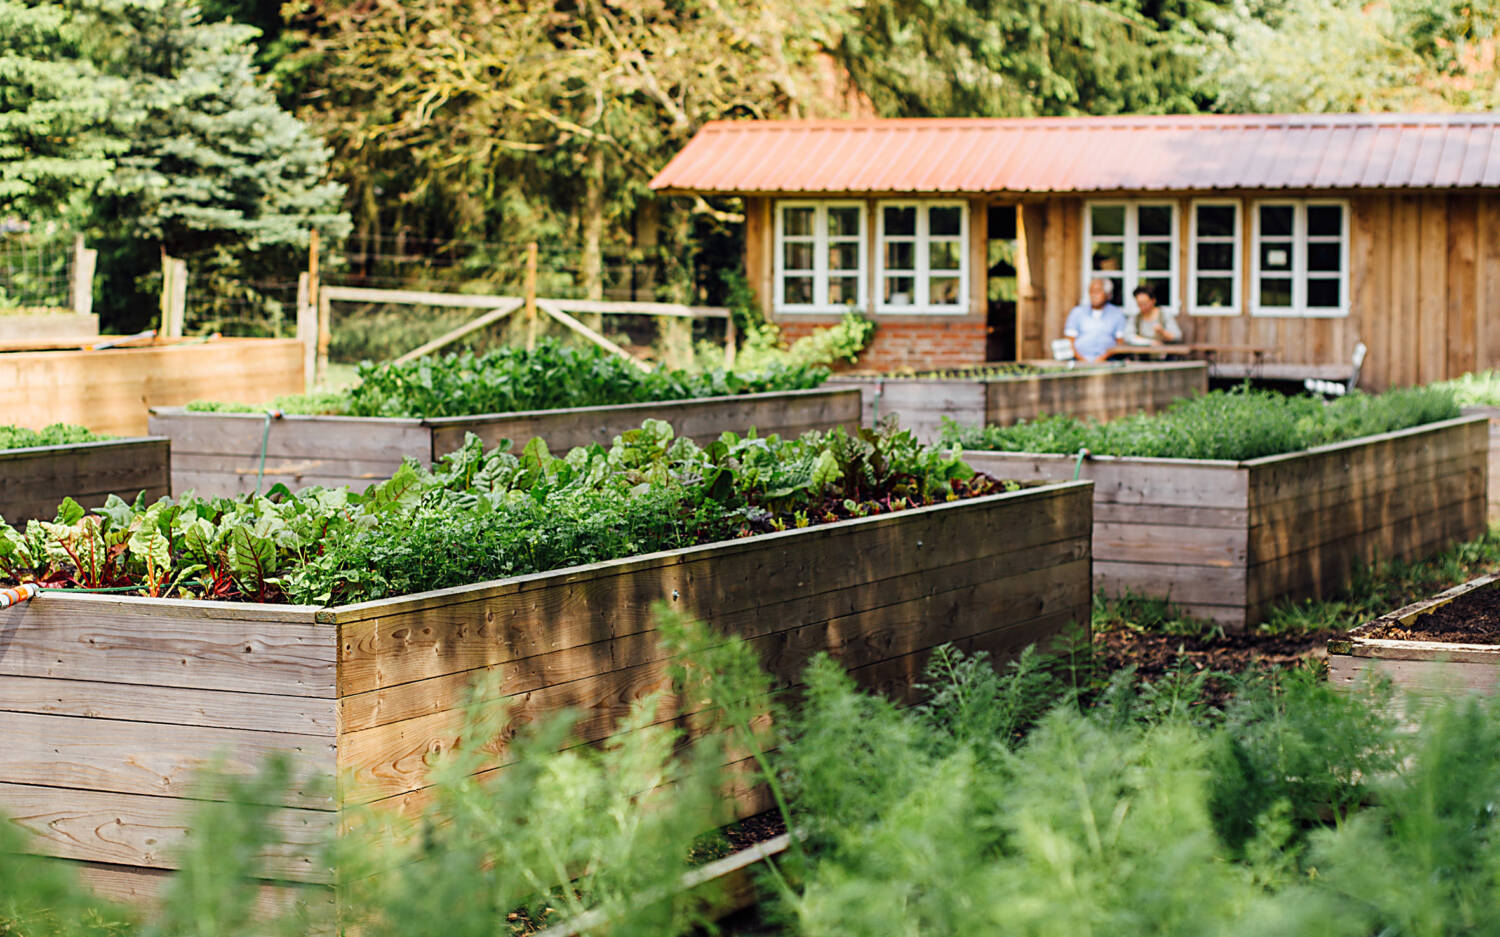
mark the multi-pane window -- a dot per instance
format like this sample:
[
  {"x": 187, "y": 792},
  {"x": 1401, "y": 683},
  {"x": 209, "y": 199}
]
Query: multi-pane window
[
  {"x": 820, "y": 250},
  {"x": 1301, "y": 259},
  {"x": 922, "y": 262},
  {"x": 1214, "y": 285},
  {"x": 1130, "y": 244}
]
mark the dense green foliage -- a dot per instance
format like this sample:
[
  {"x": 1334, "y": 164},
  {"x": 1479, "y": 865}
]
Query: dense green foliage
[
  {"x": 1234, "y": 425},
  {"x": 54, "y": 145},
  {"x": 478, "y": 516},
  {"x": 58, "y": 434},
  {"x": 507, "y": 380},
  {"x": 1007, "y": 801},
  {"x": 1477, "y": 389}
]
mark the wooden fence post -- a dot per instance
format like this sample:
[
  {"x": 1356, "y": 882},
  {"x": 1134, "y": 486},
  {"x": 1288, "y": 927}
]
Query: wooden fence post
[
  {"x": 307, "y": 329},
  {"x": 531, "y": 296},
  {"x": 84, "y": 261},
  {"x": 316, "y": 298},
  {"x": 173, "y": 295}
]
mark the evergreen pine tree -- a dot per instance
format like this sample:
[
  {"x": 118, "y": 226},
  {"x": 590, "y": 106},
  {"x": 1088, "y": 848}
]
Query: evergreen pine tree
[{"x": 54, "y": 140}]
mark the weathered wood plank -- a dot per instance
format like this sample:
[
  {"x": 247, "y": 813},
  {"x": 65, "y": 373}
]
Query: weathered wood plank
[
  {"x": 112, "y": 391},
  {"x": 140, "y": 758},
  {"x": 134, "y": 886},
  {"x": 33, "y": 481},
  {"x": 169, "y": 706},
  {"x": 278, "y": 650},
  {"x": 146, "y": 832}
]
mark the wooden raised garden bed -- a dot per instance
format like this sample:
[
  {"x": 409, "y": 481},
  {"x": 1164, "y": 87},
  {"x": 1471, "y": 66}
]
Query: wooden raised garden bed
[
  {"x": 35, "y": 479},
  {"x": 1101, "y": 392},
  {"x": 1224, "y": 540},
  {"x": 1493, "y": 415},
  {"x": 110, "y": 391},
  {"x": 108, "y": 703},
  {"x": 220, "y": 453},
  {"x": 1422, "y": 648}
]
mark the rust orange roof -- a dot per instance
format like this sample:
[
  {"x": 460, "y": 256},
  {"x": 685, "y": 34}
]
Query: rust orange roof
[{"x": 1090, "y": 154}]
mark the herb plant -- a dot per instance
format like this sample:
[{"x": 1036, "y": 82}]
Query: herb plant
[{"x": 1234, "y": 425}]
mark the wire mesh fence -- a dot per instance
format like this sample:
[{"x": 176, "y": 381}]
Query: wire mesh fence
[{"x": 36, "y": 268}]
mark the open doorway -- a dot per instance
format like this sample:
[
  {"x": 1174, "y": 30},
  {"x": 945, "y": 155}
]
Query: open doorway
[{"x": 1000, "y": 284}]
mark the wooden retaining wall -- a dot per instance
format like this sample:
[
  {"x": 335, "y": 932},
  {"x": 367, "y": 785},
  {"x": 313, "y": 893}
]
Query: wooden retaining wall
[
  {"x": 107, "y": 704},
  {"x": 1422, "y": 668},
  {"x": 34, "y": 480},
  {"x": 219, "y": 453},
  {"x": 1095, "y": 393},
  {"x": 1493, "y": 415},
  {"x": 1226, "y": 540},
  {"x": 111, "y": 391}
]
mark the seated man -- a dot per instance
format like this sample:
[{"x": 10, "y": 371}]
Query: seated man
[
  {"x": 1094, "y": 327},
  {"x": 1152, "y": 325}
]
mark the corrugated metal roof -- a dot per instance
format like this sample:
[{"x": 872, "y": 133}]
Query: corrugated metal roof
[{"x": 1091, "y": 154}]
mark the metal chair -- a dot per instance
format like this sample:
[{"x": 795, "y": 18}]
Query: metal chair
[
  {"x": 1062, "y": 349},
  {"x": 1315, "y": 385}
]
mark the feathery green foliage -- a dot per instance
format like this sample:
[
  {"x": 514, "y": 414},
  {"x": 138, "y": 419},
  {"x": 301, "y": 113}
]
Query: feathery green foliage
[
  {"x": 1476, "y": 389},
  {"x": 1234, "y": 425}
]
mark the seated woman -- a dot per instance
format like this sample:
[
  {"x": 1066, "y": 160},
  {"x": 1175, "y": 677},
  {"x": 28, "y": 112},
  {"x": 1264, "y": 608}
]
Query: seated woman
[{"x": 1152, "y": 325}]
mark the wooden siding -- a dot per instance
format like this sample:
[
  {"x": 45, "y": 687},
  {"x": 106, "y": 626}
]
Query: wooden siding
[
  {"x": 1421, "y": 668},
  {"x": 1424, "y": 283},
  {"x": 111, "y": 391},
  {"x": 34, "y": 481},
  {"x": 107, "y": 704},
  {"x": 1226, "y": 540},
  {"x": 219, "y": 453},
  {"x": 920, "y": 404}
]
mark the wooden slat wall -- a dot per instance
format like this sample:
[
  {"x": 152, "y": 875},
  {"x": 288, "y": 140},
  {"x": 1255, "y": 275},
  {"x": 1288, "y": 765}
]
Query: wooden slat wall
[
  {"x": 1424, "y": 285},
  {"x": 785, "y": 413},
  {"x": 219, "y": 453},
  {"x": 878, "y": 593},
  {"x": 1225, "y": 540},
  {"x": 107, "y": 705},
  {"x": 111, "y": 391},
  {"x": 921, "y": 403},
  {"x": 1317, "y": 516},
  {"x": 34, "y": 481},
  {"x": 1493, "y": 415}
]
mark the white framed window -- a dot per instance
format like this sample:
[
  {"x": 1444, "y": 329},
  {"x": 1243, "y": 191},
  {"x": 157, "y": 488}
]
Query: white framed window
[
  {"x": 922, "y": 265},
  {"x": 1300, "y": 265},
  {"x": 1214, "y": 260},
  {"x": 1131, "y": 244},
  {"x": 820, "y": 256}
]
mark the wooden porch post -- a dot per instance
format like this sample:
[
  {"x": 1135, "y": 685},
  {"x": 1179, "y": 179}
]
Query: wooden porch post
[{"x": 1031, "y": 296}]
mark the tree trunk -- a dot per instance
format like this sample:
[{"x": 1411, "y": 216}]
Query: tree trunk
[{"x": 592, "y": 263}]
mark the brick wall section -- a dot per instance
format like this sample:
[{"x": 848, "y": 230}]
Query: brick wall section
[{"x": 925, "y": 343}]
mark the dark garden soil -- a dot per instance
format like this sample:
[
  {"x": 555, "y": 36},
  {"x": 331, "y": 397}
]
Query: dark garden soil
[
  {"x": 1156, "y": 655},
  {"x": 1472, "y": 618}
]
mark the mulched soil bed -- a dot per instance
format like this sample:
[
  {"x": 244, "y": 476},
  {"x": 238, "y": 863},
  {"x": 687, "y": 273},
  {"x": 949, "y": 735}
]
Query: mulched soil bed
[
  {"x": 1472, "y": 618},
  {"x": 1155, "y": 655}
]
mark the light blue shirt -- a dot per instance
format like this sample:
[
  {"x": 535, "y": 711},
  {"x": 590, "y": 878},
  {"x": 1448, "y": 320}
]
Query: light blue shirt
[{"x": 1095, "y": 331}]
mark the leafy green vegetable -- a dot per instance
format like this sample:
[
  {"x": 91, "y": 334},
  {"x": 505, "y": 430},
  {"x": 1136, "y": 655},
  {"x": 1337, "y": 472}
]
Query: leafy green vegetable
[
  {"x": 1238, "y": 424},
  {"x": 58, "y": 434},
  {"x": 506, "y": 380},
  {"x": 1479, "y": 389},
  {"x": 478, "y": 516}
]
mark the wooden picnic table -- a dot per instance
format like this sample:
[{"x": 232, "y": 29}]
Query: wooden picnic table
[{"x": 1189, "y": 350}]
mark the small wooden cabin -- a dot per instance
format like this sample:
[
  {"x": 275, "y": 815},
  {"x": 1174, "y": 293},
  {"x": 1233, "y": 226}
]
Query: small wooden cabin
[{"x": 970, "y": 239}]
